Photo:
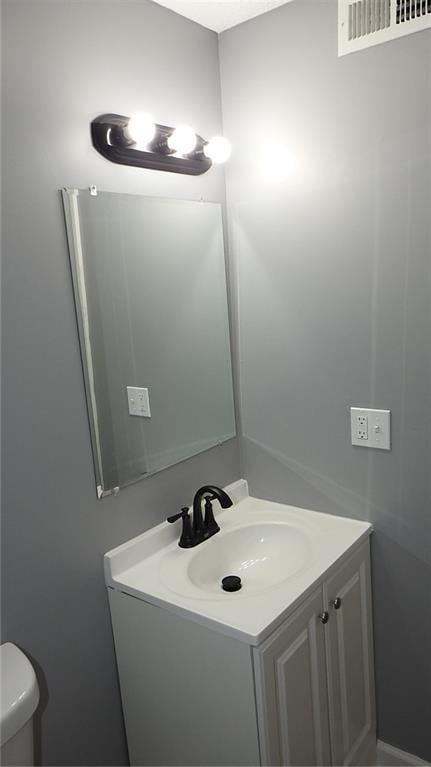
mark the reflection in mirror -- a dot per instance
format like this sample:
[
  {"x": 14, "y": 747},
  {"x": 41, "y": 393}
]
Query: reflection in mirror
[{"x": 150, "y": 291}]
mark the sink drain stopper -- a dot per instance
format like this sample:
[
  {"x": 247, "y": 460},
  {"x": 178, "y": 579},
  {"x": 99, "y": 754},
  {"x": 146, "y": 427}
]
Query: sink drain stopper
[{"x": 231, "y": 583}]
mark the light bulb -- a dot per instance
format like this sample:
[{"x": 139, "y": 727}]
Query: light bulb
[
  {"x": 141, "y": 129},
  {"x": 218, "y": 149},
  {"x": 182, "y": 140}
]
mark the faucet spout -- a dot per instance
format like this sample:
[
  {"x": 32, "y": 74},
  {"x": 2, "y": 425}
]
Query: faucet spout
[
  {"x": 202, "y": 529},
  {"x": 210, "y": 493}
]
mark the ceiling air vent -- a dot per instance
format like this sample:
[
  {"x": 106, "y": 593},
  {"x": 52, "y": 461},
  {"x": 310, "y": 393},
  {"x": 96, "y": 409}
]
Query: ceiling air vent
[{"x": 369, "y": 22}]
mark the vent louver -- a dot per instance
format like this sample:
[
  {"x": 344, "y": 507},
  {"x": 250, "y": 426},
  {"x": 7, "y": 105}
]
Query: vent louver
[{"x": 368, "y": 22}]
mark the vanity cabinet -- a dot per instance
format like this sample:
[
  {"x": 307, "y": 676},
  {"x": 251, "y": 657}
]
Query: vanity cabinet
[
  {"x": 350, "y": 660},
  {"x": 304, "y": 696},
  {"x": 292, "y": 690},
  {"x": 314, "y": 675}
]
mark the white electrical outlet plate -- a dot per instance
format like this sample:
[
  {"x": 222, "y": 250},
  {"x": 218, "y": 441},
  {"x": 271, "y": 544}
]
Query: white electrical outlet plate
[
  {"x": 371, "y": 428},
  {"x": 139, "y": 401}
]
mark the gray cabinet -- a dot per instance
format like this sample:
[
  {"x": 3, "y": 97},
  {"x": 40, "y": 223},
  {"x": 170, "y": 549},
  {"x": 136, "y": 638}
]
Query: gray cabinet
[{"x": 305, "y": 696}]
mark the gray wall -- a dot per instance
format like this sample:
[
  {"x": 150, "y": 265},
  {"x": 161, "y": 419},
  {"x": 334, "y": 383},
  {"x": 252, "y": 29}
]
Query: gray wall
[
  {"x": 64, "y": 63},
  {"x": 334, "y": 269},
  {"x": 333, "y": 261}
]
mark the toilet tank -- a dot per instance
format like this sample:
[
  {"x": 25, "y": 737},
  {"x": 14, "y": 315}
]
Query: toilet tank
[{"x": 19, "y": 696}]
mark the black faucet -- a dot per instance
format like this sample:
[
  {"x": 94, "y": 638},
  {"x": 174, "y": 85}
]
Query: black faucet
[{"x": 202, "y": 528}]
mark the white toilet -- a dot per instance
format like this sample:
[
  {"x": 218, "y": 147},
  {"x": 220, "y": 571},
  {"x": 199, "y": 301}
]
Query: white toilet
[{"x": 19, "y": 696}]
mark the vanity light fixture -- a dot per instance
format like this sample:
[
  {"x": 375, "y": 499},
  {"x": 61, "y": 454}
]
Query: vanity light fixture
[{"x": 139, "y": 141}]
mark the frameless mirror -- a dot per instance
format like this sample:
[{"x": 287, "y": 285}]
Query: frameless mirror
[{"x": 150, "y": 291}]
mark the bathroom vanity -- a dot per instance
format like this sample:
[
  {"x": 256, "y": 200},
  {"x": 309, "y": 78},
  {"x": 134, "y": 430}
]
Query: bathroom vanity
[{"x": 277, "y": 673}]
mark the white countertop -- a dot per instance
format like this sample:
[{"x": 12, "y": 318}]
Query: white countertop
[{"x": 153, "y": 568}]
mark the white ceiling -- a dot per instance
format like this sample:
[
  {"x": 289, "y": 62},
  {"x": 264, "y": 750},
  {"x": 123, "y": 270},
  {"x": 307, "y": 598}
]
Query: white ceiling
[{"x": 220, "y": 14}]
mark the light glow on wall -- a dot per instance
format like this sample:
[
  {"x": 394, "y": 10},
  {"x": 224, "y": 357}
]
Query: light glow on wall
[{"x": 278, "y": 163}]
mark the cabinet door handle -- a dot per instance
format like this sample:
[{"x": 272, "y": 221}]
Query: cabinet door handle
[
  {"x": 336, "y": 603},
  {"x": 324, "y": 617}
]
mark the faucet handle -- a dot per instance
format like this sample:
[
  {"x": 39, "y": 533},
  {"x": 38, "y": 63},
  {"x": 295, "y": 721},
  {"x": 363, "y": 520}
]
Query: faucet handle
[
  {"x": 186, "y": 539},
  {"x": 183, "y": 513}
]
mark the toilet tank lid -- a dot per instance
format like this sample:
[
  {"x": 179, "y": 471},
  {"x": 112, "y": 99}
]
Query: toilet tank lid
[{"x": 19, "y": 691}]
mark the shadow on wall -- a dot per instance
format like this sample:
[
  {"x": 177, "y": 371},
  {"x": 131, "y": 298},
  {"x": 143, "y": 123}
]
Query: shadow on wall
[
  {"x": 405, "y": 664},
  {"x": 280, "y": 478},
  {"x": 401, "y": 587}
]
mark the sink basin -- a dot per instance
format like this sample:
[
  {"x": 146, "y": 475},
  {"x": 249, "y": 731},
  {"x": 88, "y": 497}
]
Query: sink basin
[{"x": 262, "y": 555}]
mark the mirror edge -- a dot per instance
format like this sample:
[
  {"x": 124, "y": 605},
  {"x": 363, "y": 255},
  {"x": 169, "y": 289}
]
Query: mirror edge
[{"x": 74, "y": 246}]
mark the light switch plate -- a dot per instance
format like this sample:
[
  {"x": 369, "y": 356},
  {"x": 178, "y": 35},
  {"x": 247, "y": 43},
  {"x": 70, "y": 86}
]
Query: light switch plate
[
  {"x": 371, "y": 428},
  {"x": 139, "y": 401}
]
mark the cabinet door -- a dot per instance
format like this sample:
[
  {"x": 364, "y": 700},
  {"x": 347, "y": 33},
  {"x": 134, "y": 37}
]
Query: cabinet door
[
  {"x": 292, "y": 692},
  {"x": 350, "y": 661}
]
